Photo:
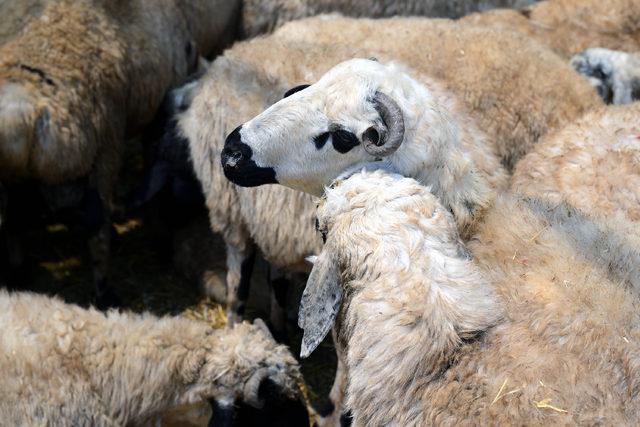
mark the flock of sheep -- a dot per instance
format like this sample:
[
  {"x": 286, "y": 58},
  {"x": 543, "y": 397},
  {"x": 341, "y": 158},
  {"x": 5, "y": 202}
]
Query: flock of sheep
[{"x": 463, "y": 198}]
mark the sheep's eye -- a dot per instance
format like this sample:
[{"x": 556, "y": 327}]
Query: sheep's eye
[{"x": 372, "y": 135}]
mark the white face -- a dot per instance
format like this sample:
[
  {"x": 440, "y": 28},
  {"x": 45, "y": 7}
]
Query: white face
[{"x": 308, "y": 138}]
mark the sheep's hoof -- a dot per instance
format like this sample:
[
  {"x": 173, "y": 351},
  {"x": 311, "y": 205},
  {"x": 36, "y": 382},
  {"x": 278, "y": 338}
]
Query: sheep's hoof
[{"x": 107, "y": 300}]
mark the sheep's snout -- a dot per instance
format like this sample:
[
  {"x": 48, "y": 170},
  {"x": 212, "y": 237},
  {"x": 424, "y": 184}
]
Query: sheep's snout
[
  {"x": 238, "y": 165},
  {"x": 17, "y": 127}
]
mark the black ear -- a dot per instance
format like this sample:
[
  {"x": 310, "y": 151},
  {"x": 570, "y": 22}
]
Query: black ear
[{"x": 294, "y": 90}]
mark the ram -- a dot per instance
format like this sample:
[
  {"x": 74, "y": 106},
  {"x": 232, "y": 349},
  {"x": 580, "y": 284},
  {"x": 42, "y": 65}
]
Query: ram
[
  {"x": 509, "y": 330},
  {"x": 251, "y": 76},
  {"x": 67, "y": 365},
  {"x": 80, "y": 78}
]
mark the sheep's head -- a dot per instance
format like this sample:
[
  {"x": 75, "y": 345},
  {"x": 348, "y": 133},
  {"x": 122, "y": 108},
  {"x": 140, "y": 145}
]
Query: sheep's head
[
  {"x": 371, "y": 220},
  {"x": 355, "y": 113},
  {"x": 246, "y": 366}
]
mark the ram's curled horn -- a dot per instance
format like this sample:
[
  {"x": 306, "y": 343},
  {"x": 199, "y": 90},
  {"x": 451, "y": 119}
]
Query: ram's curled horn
[
  {"x": 387, "y": 142},
  {"x": 251, "y": 390}
]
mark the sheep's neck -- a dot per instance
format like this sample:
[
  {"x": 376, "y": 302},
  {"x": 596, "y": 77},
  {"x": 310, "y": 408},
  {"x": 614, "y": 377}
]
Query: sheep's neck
[
  {"x": 402, "y": 329},
  {"x": 436, "y": 152}
]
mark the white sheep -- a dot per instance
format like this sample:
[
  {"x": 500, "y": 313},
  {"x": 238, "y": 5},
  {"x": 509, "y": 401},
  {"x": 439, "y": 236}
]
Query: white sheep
[
  {"x": 66, "y": 365},
  {"x": 615, "y": 74},
  {"x": 76, "y": 81},
  {"x": 528, "y": 332},
  {"x": 251, "y": 76}
]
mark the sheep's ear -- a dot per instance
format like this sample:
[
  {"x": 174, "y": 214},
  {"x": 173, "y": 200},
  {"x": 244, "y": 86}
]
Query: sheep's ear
[
  {"x": 294, "y": 90},
  {"x": 320, "y": 302}
]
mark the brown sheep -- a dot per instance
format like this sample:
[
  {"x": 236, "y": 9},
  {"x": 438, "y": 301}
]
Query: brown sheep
[{"x": 79, "y": 79}]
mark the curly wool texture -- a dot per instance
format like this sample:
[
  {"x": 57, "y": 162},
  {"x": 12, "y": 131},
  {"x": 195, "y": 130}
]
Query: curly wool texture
[
  {"x": 259, "y": 16},
  {"x": 66, "y": 365},
  {"x": 570, "y": 26},
  {"x": 528, "y": 332},
  {"x": 593, "y": 165}
]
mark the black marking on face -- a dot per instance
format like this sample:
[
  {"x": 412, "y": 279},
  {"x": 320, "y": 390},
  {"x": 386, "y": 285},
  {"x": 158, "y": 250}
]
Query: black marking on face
[
  {"x": 320, "y": 140},
  {"x": 294, "y": 90},
  {"x": 238, "y": 165},
  {"x": 343, "y": 141}
]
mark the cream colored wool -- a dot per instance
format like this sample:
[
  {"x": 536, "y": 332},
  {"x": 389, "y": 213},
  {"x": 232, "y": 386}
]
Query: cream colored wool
[
  {"x": 570, "y": 26},
  {"x": 65, "y": 365},
  {"x": 593, "y": 165},
  {"x": 520, "y": 330}
]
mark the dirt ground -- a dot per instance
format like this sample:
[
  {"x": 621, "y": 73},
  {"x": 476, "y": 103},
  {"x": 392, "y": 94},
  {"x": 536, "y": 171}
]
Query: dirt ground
[{"x": 149, "y": 273}]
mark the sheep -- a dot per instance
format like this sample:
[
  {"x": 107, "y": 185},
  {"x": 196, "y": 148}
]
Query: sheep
[
  {"x": 77, "y": 80},
  {"x": 260, "y": 17},
  {"x": 438, "y": 333},
  {"x": 570, "y": 26},
  {"x": 615, "y": 74},
  {"x": 251, "y": 76},
  {"x": 66, "y": 365},
  {"x": 593, "y": 165}
]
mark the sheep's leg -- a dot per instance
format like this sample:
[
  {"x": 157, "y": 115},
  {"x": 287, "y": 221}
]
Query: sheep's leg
[
  {"x": 240, "y": 261},
  {"x": 332, "y": 415},
  {"x": 98, "y": 223},
  {"x": 98, "y": 203},
  {"x": 278, "y": 316},
  {"x": 12, "y": 266}
]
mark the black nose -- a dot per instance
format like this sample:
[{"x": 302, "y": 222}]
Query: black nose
[
  {"x": 235, "y": 154},
  {"x": 239, "y": 167}
]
